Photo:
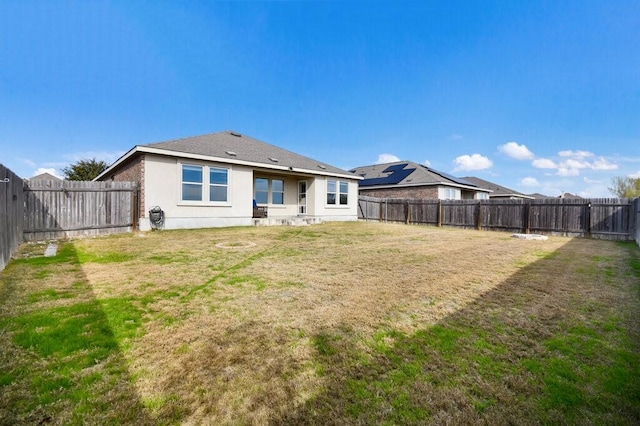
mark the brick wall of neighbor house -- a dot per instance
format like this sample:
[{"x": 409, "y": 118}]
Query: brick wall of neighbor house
[
  {"x": 417, "y": 192},
  {"x": 132, "y": 171}
]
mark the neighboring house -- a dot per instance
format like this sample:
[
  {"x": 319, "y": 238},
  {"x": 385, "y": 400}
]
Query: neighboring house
[
  {"x": 46, "y": 176},
  {"x": 499, "y": 192},
  {"x": 406, "y": 179},
  {"x": 538, "y": 196},
  {"x": 228, "y": 179},
  {"x": 567, "y": 195}
]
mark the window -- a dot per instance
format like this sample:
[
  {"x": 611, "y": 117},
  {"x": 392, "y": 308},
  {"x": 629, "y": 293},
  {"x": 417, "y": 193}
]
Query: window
[
  {"x": 331, "y": 192},
  {"x": 218, "y": 180},
  {"x": 277, "y": 191},
  {"x": 195, "y": 180},
  {"x": 449, "y": 194},
  {"x": 261, "y": 190},
  {"x": 337, "y": 192},
  {"x": 191, "y": 183},
  {"x": 263, "y": 187},
  {"x": 482, "y": 196},
  {"x": 344, "y": 193}
]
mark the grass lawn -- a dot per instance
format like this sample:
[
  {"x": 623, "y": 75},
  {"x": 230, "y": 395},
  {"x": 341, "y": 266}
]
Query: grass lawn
[{"x": 344, "y": 323}]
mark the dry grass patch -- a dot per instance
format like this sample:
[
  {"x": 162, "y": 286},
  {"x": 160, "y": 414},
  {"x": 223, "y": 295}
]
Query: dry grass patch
[{"x": 353, "y": 323}]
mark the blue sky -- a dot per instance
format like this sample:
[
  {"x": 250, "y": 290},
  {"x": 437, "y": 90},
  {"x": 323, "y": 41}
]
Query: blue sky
[{"x": 540, "y": 96}]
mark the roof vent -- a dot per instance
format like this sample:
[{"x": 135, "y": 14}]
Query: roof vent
[
  {"x": 322, "y": 167},
  {"x": 275, "y": 160},
  {"x": 237, "y": 135},
  {"x": 231, "y": 153}
]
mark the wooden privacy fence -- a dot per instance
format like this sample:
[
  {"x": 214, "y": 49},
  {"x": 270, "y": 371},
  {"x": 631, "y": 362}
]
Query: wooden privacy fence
[
  {"x": 596, "y": 218},
  {"x": 59, "y": 209},
  {"x": 11, "y": 208}
]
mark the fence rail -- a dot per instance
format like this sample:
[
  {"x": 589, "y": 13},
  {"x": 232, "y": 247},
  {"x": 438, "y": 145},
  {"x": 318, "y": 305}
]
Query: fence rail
[
  {"x": 11, "y": 202},
  {"x": 602, "y": 218},
  {"x": 60, "y": 209}
]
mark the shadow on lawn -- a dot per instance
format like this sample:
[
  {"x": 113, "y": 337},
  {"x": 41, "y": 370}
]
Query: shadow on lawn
[
  {"x": 62, "y": 359},
  {"x": 551, "y": 344}
]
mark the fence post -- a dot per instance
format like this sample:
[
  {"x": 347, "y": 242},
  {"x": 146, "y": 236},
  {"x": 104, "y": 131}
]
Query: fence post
[
  {"x": 479, "y": 217},
  {"x": 439, "y": 212},
  {"x": 407, "y": 212},
  {"x": 527, "y": 217},
  {"x": 587, "y": 220}
]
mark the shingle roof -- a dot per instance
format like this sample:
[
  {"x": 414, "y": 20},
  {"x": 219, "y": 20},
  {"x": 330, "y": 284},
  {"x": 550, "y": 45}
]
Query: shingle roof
[
  {"x": 226, "y": 144},
  {"x": 233, "y": 147},
  {"x": 498, "y": 190},
  {"x": 406, "y": 173}
]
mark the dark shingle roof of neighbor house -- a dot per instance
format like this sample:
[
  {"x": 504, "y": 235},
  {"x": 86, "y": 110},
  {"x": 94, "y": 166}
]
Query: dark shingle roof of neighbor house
[
  {"x": 232, "y": 147},
  {"x": 498, "y": 190},
  {"x": 407, "y": 173}
]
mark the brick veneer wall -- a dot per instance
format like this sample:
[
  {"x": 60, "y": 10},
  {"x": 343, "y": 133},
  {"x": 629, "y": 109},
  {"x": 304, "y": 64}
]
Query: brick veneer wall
[
  {"x": 418, "y": 192},
  {"x": 132, "y": 171}
]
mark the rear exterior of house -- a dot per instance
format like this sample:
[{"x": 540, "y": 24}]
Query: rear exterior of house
[
  {"x": 229, "y": 179},
  {"x": 406, "y": 179}
]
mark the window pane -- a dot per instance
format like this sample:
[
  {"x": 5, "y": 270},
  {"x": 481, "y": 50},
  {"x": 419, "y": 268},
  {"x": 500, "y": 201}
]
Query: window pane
[
  {"x": 278, "y": 198},
  {"x": 277, "y": 185},
  {"x": 191, "y": 192},
  {"x": 218, "y": 193},
  {"x": 331, "y": 198},
  {"x": 261, "y": 197},
  {"x": 344, "y": 199},
  {"x": 344, "y": 187},
  {"x": 331, "y": 186},
  {"x": 262, "y": 184},
  {"x": 218, "y": 176},
  {"x": 192, "y": 174}
]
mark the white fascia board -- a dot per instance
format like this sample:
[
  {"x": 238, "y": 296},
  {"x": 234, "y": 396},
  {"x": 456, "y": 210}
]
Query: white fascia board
[{"x": 149, "y": 150}]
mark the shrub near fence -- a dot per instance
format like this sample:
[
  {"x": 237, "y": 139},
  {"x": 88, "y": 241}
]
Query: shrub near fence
[
  {"x": 11, "y": 208},
  {"x": 597, "y": 218}
]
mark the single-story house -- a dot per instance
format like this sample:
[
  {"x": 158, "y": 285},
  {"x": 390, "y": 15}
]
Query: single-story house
[
  {"x": 499, "y": 192},
  {"x": 46, "y": 176},
  {"x": 229, "y": 179},
  {"x": 406, "y": 179}
]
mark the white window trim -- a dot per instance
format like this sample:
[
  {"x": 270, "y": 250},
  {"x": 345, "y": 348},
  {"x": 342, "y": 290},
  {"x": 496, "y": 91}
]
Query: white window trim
[
  {"x": 442, "y": 193},
  {"x": 206, "y": 184},
  {"x": 337, "y": 205},
  {"x": 270, "y": 180}
]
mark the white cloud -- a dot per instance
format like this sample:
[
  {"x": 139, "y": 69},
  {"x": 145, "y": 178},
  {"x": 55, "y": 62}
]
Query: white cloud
[
  {"x": 49, "y": 170},
  {"x": 29, "y": 162},
  {"x": 456, "y": 137},
  {"x": 472, "y": 162},
  {"x": 603, "y": 164},
  {"x": 427, "y": 163},
  {"x": 590, "y": 181},
  {"x": 576, "y": 154},
  {"x": 544, "y": 163},
  {"x": 568, "y": 171},
  {"x": 387, "y": 158},
  {"x": 513, "y": 150},
  {"x": 530, "y": 182},
  {"x": 635, "y": 175},
  {"x": 107, "y": 157},
  {"x": 574, "y": 164}
]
